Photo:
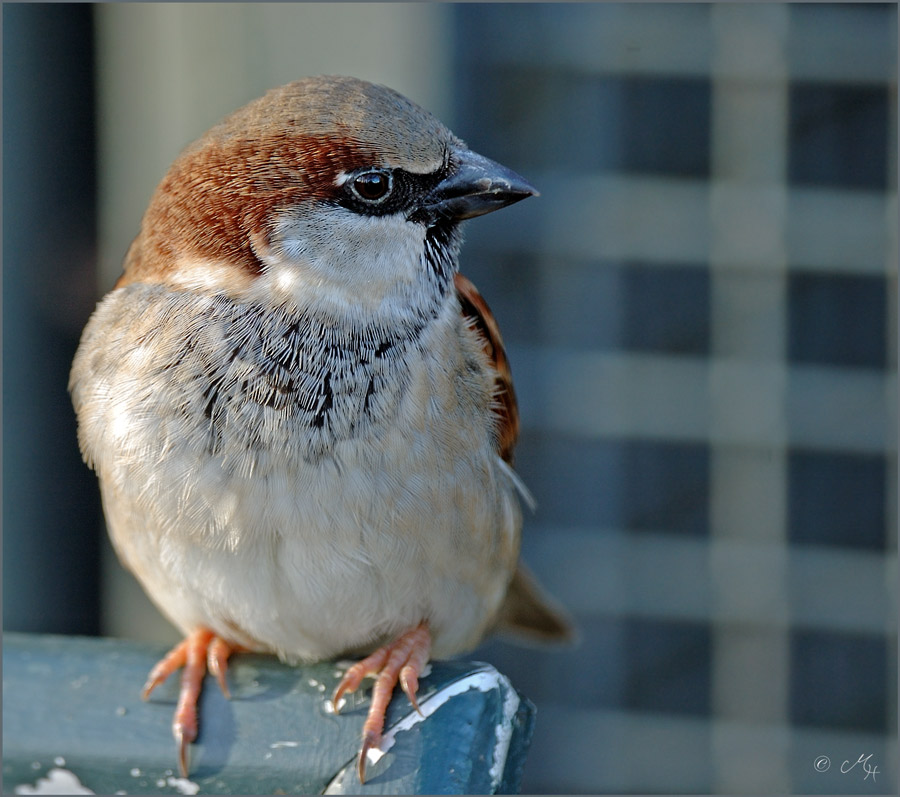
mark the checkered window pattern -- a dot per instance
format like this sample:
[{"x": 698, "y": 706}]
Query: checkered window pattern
[{"x": 701, "y": 314}]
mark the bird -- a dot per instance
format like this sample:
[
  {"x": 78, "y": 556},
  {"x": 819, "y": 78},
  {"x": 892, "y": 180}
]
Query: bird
[{"x": 300, "y": 413}]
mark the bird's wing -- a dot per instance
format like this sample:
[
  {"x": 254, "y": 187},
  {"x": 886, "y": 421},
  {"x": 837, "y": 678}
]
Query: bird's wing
[
  {"x": 527, "y": 611},
  {"x": 530, "y": 615},
  {"x": 475, "y": 308}
]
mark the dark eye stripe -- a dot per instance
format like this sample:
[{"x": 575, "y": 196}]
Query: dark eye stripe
[{"x": 403, "y": 193}]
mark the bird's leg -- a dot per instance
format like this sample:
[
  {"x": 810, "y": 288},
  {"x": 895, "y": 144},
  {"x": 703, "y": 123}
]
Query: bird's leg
[
  {"x": 400, "y": 661},
  {"x": 200, "y": 650}
]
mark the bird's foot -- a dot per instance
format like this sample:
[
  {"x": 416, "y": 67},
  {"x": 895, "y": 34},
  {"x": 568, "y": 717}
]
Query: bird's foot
[
  {"x": 400, "y": 661},
  {"x": 200, "y": 651}
]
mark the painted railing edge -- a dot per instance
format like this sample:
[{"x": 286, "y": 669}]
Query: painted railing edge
[{"x": 73, "y": 719}]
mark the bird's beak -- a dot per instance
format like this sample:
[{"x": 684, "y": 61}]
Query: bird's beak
[{"x": 477, "y": 186}]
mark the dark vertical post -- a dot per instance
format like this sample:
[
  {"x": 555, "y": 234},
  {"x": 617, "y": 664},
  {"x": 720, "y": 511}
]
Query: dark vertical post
[{"x": 51, "y": 518}]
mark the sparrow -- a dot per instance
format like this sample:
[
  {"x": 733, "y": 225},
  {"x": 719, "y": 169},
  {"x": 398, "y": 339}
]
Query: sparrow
[{"x": 300, "y": 413}]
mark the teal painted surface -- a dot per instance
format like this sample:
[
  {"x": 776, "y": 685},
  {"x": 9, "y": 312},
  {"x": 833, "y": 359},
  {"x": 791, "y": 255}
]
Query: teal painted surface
[{"x": 74, "y": 704}]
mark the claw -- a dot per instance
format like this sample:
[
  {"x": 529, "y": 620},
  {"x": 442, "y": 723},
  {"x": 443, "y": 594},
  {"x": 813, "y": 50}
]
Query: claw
[
  {"x": 201, "y": 650},
  {"x": 370, "y": 740},
  {"x": 182, "y": 744},
  {"x": 174, "y": 660},
  {"x": 354, "y": 676},
  {"x": 400, "y": 661},
  {"x": 217, "y": 662},
  {"x": 409, "y": 683}
]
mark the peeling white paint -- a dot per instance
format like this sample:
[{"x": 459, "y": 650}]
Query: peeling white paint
[
  {"x": 485, "y": 680},
  {"x": 183, "y": 785},
  {"x": 329, "y": 706},
  {"x": 503, "y": 733},
  {"x": 57, "y": 781}
]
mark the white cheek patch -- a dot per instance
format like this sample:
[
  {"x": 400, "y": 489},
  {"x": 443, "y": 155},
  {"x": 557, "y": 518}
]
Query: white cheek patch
[{"x": 366, "y": 258}]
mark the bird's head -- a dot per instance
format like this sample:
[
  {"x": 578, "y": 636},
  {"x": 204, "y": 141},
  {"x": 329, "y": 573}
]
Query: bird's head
[{"x": 328, "y": 189}]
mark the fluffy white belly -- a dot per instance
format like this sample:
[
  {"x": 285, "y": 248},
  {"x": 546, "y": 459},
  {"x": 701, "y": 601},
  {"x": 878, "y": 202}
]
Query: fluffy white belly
[{"x": 338, "y": 560}]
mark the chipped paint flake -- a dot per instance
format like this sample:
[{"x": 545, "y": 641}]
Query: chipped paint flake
[
  {"x": 329, "y": 706},
  {"x": 484, "y": 681},
  {"x": 183, "y": 785},
  {"x": 503, "y": 735},
  {"x": 57, "y": 781}
]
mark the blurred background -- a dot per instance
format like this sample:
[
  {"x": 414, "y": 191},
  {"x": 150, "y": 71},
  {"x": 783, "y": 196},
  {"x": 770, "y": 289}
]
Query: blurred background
[{"x": 700, "y": 311}]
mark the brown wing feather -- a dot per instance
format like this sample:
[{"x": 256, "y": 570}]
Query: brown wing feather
[
  {"x": 475, "y": 308},
  {"x": 526, "y": 612}
]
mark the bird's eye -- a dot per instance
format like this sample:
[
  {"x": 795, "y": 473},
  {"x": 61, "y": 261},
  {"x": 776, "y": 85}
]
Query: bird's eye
[{"x": 373, "y": 186}]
